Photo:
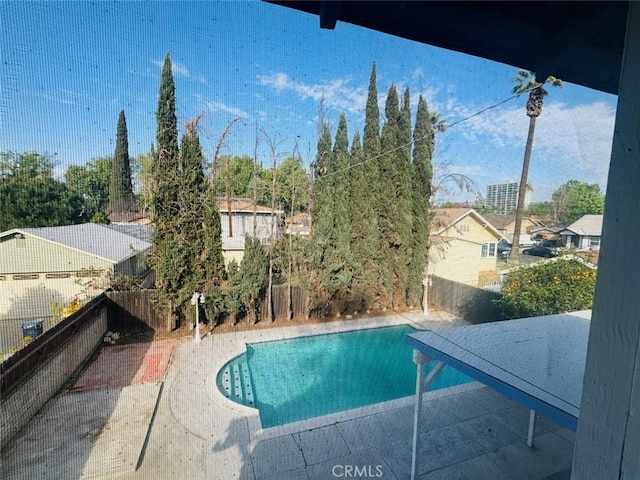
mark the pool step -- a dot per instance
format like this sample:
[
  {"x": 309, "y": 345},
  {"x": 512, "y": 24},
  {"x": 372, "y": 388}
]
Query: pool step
[{"x": 234, "y": 380}]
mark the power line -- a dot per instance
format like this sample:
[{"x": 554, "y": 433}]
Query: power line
[{"x": 405, "y": 145}]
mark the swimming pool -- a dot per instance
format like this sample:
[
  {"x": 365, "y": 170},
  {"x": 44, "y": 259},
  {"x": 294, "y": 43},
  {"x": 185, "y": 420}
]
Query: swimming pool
[{"x": 306, "y": 377}]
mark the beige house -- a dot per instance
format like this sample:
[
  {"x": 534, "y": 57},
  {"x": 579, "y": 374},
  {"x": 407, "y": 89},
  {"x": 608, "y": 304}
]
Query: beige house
[
  {"x": 463, "y": 246},
  {"x": 42, "y": 269},
  {"x": 241, "y": 223},
  {"x": 237, "y": 225},
  {"x": 506, "y": 224}
]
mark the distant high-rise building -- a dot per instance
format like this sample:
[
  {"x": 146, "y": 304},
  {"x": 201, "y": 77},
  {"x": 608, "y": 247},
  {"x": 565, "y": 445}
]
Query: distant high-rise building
[{"x": 504, "y": 197}]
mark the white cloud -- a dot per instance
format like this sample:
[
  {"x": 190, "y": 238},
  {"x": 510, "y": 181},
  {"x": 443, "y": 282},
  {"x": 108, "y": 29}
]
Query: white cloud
[
  {"x": 467, "y": 170},
  {"x": 417, "y": 74},
  {"x": 578, "y": 138},
  {"x": 336, "y": 93},
  {"x": 176, "y": 68},
  {"x": 213, "y": 106},
  {"x": 64, "y": 98}
]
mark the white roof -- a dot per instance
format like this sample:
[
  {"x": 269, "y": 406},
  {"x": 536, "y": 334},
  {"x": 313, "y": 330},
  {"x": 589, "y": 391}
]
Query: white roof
[
  {"x": 92, "y": 238},
  {"x": 589, "y": 225}
]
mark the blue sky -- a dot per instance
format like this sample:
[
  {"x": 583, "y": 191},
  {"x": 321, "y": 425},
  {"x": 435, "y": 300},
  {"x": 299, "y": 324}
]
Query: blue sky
[{"x": 68, "y": 68}]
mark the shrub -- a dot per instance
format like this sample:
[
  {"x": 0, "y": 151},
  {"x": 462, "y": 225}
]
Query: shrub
[{"x": 547, "y": 288}]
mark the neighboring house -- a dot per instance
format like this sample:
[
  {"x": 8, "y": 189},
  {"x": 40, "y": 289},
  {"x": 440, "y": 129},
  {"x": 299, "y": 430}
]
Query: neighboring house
[
  {"x": 584, "y": 234},
  {"x": 463, "y": 246},
  {"x": 140, "y": 231},
  {"x": 299, "y": 224},
  {"x": 242, "y": 224},
  {"x": 506, "y": 224},
  {"x": 242, "y": 220},
  {"x": 42, "y": 269}
]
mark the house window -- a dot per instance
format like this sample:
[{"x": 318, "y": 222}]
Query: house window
[
  {"x": 488, "y": 250},
  {"x": 463, "y": 228},
  {"x": 594, "y": 242}
]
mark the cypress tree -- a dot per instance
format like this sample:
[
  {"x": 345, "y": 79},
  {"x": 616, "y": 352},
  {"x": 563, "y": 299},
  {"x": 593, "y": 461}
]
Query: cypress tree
[
  {"x": 166, "y": 167},
  {"x": 422, "y": 179},
  {"x": 379, "y": 278},
  {"x": 121, "y": 198},
  {"x": 371, "y": 137},
  {"x": 390, "y": 221},
  {"x": 322, "y": 199},
  {"x": 341, "y": 188},
  {"x": 337, "y": 267},
  {"x": 404, "y": 192},
  {"x": 167, "y": 257},
  {"x": 423, "y": 149},
  {"x": 322, "y": 215},
  {"x": 253, "y": 276},
  {"x": 365, "y": 245},
  {"x": 188, "y": 223},
  {"x": 199, "y": 229}
]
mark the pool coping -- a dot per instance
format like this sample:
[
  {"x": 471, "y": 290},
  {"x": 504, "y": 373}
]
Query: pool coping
[{"x": 235, "y": 345}]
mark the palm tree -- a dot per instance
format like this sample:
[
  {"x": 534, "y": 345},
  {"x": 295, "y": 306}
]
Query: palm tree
[{"x": 526, "y": 82}]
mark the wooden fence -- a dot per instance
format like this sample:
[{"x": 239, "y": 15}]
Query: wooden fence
[
  {"x": 133, "y": 311},
  {"x": 473, "y": 304},
  {"x": 299, "y": 303}
]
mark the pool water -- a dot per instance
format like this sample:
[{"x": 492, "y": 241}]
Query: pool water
[{"x": 306, "y": 377}]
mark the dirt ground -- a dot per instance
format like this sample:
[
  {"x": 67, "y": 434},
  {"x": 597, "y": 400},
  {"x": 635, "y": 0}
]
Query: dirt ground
[{"x": 187, "y": 331}]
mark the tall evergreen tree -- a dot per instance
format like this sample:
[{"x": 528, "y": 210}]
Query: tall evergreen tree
[
  {"x": 371, "y": 137},
  {"x": 188, "y": 223},
  {"x": 422, "y": 179},
  {"x": 121, "y": 199},
  {"x": 365, "y": 244},
  {"x": 404, "y": 193},
  {"x": 322, "y": 211},
  {"x": 380, "y": 276},
  {"x": 394, "y": 228},
  {"x": 423, "y": 149},
  {"x": 167, "y": 257},
  {"x": 337, "y": 265},
  {"x": 166, "y": 167},
  {"x": 341, "y": 188}
]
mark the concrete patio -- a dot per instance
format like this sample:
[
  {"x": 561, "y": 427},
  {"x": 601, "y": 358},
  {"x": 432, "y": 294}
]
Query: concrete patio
[{"x": 180, "y": 426}]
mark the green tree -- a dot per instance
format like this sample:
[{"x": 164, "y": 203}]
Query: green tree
[
  {"x": 422, "y": 188},
  {"x": 253, "y": 277},
  {"x": 31, "y": 197},
  {"x": 188, "y": 223},
  {"x": 142, "y": 173},
  {"x": 167, "y": 255},
  {"x": 322, "y": 198},
  {"x": 381, "y": 275},
  {"x": 121, "y": 198},
  {"x": 365, "y": 239},
  {"x": 547, "y": 288},
  {"x": 321, "y": 215},
  {"x": 338, "y": 268},
  {"x": 407, "y": 283},
  {"x": 292, "y": 185},
  {"x": 526, "y": 82},
  {"x": 100, "y": 217},
  {"x": 91, "y": 183},
  {"x": 394, "y": 217},
  {"x": 540, "y": 209},
  {"x": 240, "y": 171},
  {"x": 575, "y": 199}
]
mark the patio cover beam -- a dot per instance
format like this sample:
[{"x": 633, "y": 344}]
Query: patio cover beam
[{"x": 608, "y": 435}]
